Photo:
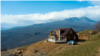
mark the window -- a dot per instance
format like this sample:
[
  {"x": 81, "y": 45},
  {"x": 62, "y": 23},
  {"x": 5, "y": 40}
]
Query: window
[
  {"x": 71, "y": 32},
  {"x": 62, "y": 38},
  {"x": 57, "y": 31},
  {"x": 57, "y": 38},
  {"x": 62, "y": 31},
  {"x": 69, "y": 37},
  {"x": 74, "y": 37},
  {"x": 52, "y": 33}
]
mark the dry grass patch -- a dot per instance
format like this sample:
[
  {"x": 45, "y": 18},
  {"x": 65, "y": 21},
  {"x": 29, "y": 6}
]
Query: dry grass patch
[{"x": 42, "y": 47}]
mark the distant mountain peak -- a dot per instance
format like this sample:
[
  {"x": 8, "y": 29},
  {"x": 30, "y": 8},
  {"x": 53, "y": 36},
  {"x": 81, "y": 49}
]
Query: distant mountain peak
[
  {"x": 14, "y": 37},
  {"x": 86, "y": 18},
  {"x": 80, "y": 19}
]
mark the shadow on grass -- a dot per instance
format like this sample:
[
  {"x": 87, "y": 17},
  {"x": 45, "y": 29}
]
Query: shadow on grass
[
  {"x": 80, "y": 40},
  {"x": 61, "y": 43}
]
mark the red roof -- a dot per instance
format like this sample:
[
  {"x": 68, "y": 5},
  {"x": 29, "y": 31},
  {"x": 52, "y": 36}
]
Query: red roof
[{"x": 64, "y": 31}]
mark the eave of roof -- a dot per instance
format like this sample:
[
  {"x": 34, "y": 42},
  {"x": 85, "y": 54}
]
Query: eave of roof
[{"x": 66, "y": 30}]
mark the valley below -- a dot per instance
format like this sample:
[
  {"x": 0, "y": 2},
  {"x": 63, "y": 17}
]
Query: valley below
[
  {"x": 88, "y": 45},
  {"x": 21, "y": 36}
]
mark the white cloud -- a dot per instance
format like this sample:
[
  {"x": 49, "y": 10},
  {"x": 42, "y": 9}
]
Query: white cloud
[
  {"x": 80, "y": 0},
  {"x": 95, "y": 2},
  {"x": 92, "y": 12}
]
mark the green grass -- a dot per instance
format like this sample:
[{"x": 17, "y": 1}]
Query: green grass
[
  {"x": 86, "y": 50},
  {"x": 89, "y": 48}
]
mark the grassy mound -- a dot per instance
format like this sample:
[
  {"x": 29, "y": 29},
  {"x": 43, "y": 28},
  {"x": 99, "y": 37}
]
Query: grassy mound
[{"x": 88, "y": 48}]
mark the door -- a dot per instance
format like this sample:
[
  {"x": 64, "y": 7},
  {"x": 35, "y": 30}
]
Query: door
[{"x": 57, "y": 37}]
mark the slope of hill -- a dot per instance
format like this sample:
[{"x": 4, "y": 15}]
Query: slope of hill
[
  {"x": 83, "y": 48},
  {"x": 34, "y": 33}
]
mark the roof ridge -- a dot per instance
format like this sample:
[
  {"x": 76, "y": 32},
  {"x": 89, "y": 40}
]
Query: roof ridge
[{"x": 64, "y": 28}]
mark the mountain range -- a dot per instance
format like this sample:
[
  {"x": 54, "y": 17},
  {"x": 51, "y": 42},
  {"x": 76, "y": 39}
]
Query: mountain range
[
  {"x": 20, "y": 36},
  {"x": 3, "y": 28}
]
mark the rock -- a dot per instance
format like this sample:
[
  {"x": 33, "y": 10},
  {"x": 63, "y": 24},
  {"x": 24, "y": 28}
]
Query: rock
[
  {"x": 36, "y": 50},
  {"x": 33, "y": 55},
  {"x": 41, "y": 54},
  {"x": 9, "y": 55}
]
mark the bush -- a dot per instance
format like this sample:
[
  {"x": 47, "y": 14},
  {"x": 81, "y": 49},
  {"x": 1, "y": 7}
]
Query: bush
[{"x": 97, "y": 26}]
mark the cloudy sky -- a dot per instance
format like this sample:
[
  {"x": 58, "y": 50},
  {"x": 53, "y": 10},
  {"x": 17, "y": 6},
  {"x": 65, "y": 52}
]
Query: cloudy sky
[{"x": 23, "y": 13}]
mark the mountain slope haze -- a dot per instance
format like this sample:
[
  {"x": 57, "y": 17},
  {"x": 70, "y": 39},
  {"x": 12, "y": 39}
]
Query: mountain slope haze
[{"x": 21, "y": 36}]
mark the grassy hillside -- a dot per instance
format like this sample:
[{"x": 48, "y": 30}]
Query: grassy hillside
[
  {"x": 90, "y": 47},
  {"x": 15, "y": 37}
]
